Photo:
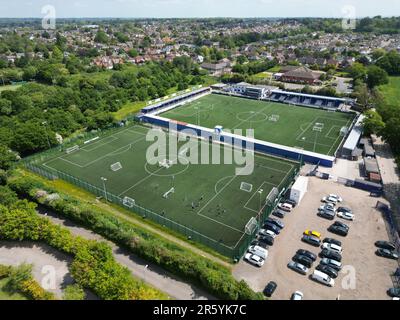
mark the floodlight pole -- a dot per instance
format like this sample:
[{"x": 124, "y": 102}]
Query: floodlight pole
[
  {"x": 104, "y": 187},
  {"x": 260, "y": 192}
]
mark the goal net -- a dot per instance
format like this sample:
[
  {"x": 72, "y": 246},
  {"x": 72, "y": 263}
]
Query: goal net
[
  {"x": 116, "y": 166},
  {"x": 166, "y": 195},
  {"x": 344, "y": 131},
  {"x": 128, "y": 202},
  {"x": 244, "y": 186},
  {"x": 274, "y": 118},
  {"x": 318, "y": 127},
  {"x": 272, "y": 195},
  {"x": 72, "y": 149},
  {"x": 251, "y": 226}
]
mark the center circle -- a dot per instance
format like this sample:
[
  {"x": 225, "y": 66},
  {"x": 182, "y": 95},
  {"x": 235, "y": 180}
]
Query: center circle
[{"x": 252, "y": 116}]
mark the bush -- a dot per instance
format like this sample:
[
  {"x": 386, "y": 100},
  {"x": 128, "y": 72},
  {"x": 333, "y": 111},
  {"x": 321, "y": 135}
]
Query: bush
[
  {"x": 74, "y": 292},
  {"x": 4, "y": 271},
  {"x": 203, "y": 272}
]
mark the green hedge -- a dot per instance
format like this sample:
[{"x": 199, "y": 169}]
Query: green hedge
[
  {"x": 211, "y": 276},
  {"x": 93, "y": 267}
]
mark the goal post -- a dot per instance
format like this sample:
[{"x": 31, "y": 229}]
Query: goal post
[
  {"x": 128, "y": 202},
  {"x": 116, "y": 166},
  {"x": 251, "y": 226},
  {"x": 272, "y": 195},
  {"x": 72, "y": 149}
]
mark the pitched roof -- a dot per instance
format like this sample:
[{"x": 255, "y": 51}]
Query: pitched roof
[{"x": 302, "y": 72}]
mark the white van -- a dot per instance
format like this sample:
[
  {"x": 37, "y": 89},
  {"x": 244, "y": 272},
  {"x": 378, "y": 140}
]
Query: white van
[
  {"x": 258, "y": 251},
  {"x": 323, "y": 278}
]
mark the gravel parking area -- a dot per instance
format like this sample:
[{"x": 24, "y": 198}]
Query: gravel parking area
[{"x": 372, "y": 273}]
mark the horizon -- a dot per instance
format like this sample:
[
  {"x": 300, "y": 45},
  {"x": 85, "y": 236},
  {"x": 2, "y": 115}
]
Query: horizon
[{"x": 199, "y": 9}]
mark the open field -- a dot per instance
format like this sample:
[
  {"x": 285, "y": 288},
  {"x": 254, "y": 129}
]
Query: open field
[
  {"x": 294, "y": 126},
  {"x": 206, "y": 198},
  {"x": 391, "y": 91},
  {"x": 372, "y": 273}
]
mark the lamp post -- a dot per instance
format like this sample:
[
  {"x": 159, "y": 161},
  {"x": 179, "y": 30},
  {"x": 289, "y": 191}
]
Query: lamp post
[
  {"x": 104, "y": 187},
  {"x": 260, "y": 192}
]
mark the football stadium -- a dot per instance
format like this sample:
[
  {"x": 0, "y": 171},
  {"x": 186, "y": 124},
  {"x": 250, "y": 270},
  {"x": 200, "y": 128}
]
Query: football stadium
[{"x": 208, "y": 203}]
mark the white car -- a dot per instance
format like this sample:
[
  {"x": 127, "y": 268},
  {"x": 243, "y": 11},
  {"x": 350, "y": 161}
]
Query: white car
[
  {"x": 335, "y": 196},
  {"x": 346, "y": 215},
  {"x": 327, "y": 207},
  {"x": 333, "y": 247},
  {"x": 298, "y": 295},
  {"x": 329, "y": 199},
  {"x": 254, "y": 260},
  {"x": 265, "y": 232}
]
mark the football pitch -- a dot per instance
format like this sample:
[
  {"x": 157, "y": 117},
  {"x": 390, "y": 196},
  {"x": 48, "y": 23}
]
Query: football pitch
[
  {"x": 305, "y": 128},
  {"x": 209, "y": 199}
]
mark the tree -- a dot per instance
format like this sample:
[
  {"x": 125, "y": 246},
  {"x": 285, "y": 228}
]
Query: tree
[
  {"x": 373, "y": 123},
  {"x": 391, "y": 133},
  {"x": 358, "y": 71},
  {"x": 7, "y": 157},
  {"x": 29, "y": 73},
  {"x": 101, "y": 37},
  {"x": 133, "y": 53},
  {"x": 5, "y": 107},
  {"x": 74, "y": 292},
  {"x": 376, "y": 76}
]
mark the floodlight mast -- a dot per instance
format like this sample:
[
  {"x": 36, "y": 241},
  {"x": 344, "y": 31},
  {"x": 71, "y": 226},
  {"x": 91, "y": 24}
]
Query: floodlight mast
[{"x": 104, "y": 187}]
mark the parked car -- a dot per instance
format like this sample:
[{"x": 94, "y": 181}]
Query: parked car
[
  {"x": 335, "y": 196},
  {"x": 268, "y": 240},
  {"x": 344, "y": 209},
  {"x": 298, "y": 267},
  {"x": 332, "y": 263},
  {"x": 307, "y": 253},
  {"x": 291, "y": 202},
  {"x": 328, "y": 270},
  {"x": 338, "y": 230},
  {"x": 258, "y": 251},
  {"x": 333, "y": 247},
  {"x": 265, "y": 232},
  {"x": 306, "y": 261},
  {"x": 394, "y": 292},
  {"x": 313, "y": 233},
  {"x": 298, "y": 295},
  {"x": 254, "y": 260},
  {"x": 285, "y": 207},
  {"x": 276, "y": 222},
  {"x": 311, "y": 240},
  {"x": 323, "y": 278},
  {"x": 342, "y": 225},
  {"x": 345, "y": 215},
  {"x": 263, "y": 245},
  {"x": 270, "y": 288},
  {"x": 272, "y": 227},
  {"x": 385, "y": 245},
  {"x": 330, "y": 254},
  {"x": 333, "y": 241},
  {"x": 385, "y": 253},
  {"x": 327, "y": 207},
  {"x": 279, "y": 213},
  {"x": 329, "y": 200},
  {"x": 326, "y": 214}
]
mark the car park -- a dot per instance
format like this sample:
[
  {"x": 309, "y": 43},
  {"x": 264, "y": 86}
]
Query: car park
[
  {"x": 342, "y": 225},
  {"x": 270, "y": 289},
  {"x": 313, "y": 233},
  {"x": 323, "y": 278},
  {"x": 298, "y": 295},
  {"x": 265, "y": 232},
  {"x": 276, "y": 222},
  {"x": 333, "y": 241},
  {"x": 268, "y": 240},
  {"x": 316, "y": 242},
  {"x": 330, "y": 254},
  {"x": 307, "y": 253},
  {"x": 332, "y": 263},
  {"x": 345, "y": 215},
  {"x": 298, "y": 267},
  {"x": 254, "y": 259},
  {"x": 338, "y": 230},
  {"x": 326, "y": 214},
  {"x": 385, "y": 245},
  {"x": 385, "y": 253},
  {"x": 303, "y": 260},
  {"x": 328, "y": 270},
  {"x": 259, "y": 251},
  {"x": 333, "y": 247}
]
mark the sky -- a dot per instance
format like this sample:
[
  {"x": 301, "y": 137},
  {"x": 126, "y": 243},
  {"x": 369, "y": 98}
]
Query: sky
[{"x": 200, "y": 8}]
